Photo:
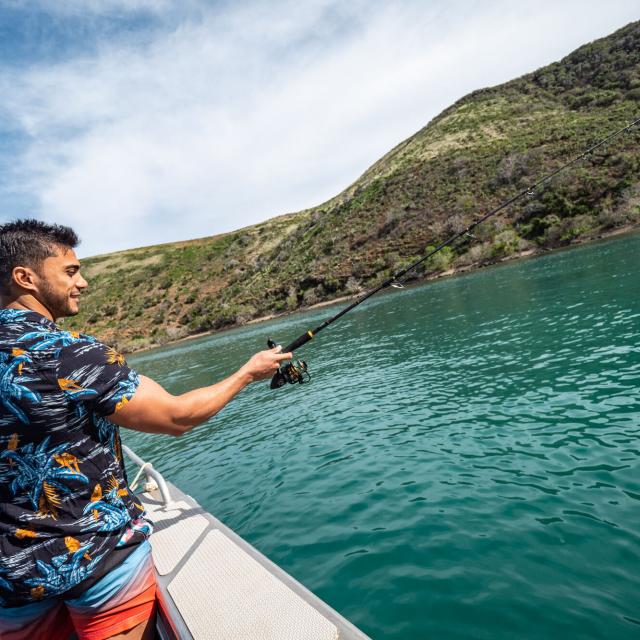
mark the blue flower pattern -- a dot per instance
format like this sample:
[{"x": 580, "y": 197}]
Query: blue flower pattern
[
  {"x": 111, "y": 512},
  {"x": 65, "y": 571},
  {"x": 13, "y": 385},
  {"x": 37, "y": 467}
]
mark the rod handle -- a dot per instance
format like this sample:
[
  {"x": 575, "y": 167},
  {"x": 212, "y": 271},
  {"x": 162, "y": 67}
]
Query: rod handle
[{"x": 299, "y": 341}]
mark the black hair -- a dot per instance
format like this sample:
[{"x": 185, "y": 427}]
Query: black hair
[{"x": 26, "y": 243}]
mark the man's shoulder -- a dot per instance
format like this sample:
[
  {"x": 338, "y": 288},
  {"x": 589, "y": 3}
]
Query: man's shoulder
[
  {"x": 8, "y": 316},
  {"x": 82, "y": 351},
  {"x": 33, "y": 330},
  {"x": 15, "y": 322},
  {"x": 18, "y": 329},
  {"x": 56, "y": 343}
]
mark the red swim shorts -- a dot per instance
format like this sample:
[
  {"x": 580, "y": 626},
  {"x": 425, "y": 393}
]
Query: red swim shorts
[{"x": 119, "y": 601}]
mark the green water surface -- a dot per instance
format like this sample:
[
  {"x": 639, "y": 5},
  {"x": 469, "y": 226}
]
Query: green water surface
[{"x": 465, "y": 463}]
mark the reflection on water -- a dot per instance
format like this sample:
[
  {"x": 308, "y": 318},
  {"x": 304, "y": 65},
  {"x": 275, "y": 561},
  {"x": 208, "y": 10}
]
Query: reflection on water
[{"x": 465, "y": 463}]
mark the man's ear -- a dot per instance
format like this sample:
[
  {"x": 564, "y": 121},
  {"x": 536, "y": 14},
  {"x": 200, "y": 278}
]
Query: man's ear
[{"x": 25, "y": 278}]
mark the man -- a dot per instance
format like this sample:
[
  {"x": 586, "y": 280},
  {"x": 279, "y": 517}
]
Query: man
[{"x": 73, "y": 550}]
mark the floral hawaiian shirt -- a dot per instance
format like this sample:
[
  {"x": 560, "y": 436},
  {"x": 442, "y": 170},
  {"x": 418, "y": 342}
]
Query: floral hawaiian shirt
[{"x": 65, "y": 506}]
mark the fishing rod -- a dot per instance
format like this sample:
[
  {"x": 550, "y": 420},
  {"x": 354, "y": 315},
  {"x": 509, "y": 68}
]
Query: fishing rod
[{"x": 296, "y": 372}]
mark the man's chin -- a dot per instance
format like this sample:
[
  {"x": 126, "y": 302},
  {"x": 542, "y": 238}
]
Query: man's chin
[{"x": 73, "y": 309}]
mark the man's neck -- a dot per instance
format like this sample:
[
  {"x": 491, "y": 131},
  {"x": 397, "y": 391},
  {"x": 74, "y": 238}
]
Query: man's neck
[{"x": 27, "y": 303}]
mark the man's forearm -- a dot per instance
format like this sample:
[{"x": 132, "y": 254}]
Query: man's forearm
[
  {"x": 154, "y": 410},
  {"x": 197, "y": 406}
]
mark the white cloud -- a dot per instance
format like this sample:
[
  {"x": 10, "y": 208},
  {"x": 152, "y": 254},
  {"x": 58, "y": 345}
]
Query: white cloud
[{"x": 251, "y": 110}]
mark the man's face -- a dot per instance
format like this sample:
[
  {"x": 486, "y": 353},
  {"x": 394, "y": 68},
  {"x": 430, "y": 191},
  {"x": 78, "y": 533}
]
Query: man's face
[{"x": 60, "y": 283}]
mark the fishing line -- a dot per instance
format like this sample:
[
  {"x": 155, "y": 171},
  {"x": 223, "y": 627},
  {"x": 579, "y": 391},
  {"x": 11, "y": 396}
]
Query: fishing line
[{"x": 297, "y": 372}]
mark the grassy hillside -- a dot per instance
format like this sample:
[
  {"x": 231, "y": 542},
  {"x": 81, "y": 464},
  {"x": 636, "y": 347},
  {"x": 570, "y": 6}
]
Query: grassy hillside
[{"x": 475, "y": 154}]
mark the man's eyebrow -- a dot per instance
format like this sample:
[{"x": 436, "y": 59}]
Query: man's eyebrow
[{"x": 73, "y": 265}]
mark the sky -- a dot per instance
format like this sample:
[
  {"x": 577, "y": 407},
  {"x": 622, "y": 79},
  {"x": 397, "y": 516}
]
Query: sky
[{"x": 138, "y": 122}]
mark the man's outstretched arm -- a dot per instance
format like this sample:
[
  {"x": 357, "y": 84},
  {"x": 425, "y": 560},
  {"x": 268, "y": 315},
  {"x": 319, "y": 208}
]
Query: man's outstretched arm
[{"x": 154, "y": 410}]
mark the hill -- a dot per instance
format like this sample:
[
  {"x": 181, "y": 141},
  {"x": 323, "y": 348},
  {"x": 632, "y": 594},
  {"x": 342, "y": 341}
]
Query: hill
[{"x": 485, "y": 147}]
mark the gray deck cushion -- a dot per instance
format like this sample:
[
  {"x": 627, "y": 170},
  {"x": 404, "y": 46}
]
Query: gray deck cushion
[
  {"x": 176, "y": 528},
  {"x": 223, "y": 594}
]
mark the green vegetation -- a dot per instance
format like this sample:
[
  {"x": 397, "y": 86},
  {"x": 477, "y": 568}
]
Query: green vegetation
[{"x": 475, "y": 154}]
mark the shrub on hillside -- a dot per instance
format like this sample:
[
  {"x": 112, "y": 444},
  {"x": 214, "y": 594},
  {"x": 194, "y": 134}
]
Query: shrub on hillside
[
  {"x": 505, "y": 244},
  {"x": 477, "y": 254},
  {"x": 511, "y": 169},
  {"x": 564, "y": 231},
  {"x": 441, "y": 261}
]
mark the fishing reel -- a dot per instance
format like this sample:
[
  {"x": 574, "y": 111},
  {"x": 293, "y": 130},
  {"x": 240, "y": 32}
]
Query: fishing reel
[{"x": 293, "y": 372}]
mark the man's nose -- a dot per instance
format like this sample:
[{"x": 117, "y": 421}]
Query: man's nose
[{"x": 82, "y": 283}]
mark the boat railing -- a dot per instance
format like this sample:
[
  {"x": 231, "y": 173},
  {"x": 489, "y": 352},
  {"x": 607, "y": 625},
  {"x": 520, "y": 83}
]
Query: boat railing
[{"x": 154, "y": 477}]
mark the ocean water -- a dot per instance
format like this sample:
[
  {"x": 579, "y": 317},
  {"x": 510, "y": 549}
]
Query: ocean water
[{"x": 465, "y": 462}]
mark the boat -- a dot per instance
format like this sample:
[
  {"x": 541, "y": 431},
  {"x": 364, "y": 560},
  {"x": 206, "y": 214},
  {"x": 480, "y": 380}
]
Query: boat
[{"x": 213, "y": 585}]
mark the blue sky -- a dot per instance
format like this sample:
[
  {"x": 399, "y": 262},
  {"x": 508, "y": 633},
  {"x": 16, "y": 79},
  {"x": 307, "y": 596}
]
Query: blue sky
[{"x": 146, "y": 121}]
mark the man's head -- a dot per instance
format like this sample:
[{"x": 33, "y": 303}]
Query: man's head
[{"x": 39, "y": 268}]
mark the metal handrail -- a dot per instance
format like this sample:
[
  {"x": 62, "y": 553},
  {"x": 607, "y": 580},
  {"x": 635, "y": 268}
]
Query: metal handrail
[{"x": 150, "y": 472}]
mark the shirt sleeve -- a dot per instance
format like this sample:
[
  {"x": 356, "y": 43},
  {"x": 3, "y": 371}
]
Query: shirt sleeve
[{"x": 90, "y": 372}]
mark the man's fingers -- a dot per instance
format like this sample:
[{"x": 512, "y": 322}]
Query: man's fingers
[{"x": 277, "y": 350}]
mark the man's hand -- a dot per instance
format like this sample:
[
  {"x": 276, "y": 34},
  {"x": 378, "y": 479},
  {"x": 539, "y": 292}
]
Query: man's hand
[
  {"x": 265, "y": 363},
  {"x": 154, "y": 410}
]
